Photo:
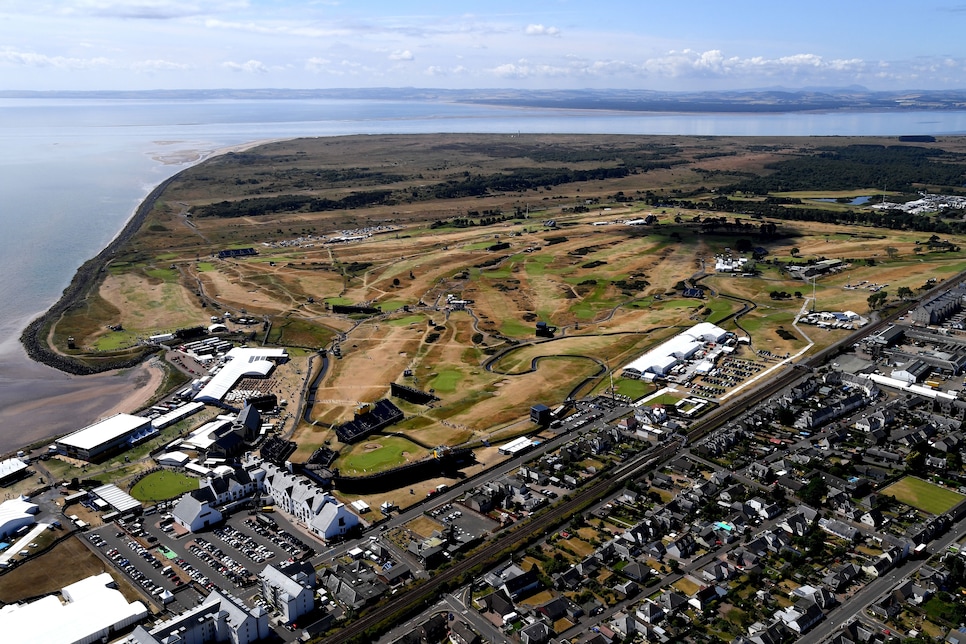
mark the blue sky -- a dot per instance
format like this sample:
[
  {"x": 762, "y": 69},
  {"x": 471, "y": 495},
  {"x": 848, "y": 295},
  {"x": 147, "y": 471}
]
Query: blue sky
[{"x": 530, "y": 44}]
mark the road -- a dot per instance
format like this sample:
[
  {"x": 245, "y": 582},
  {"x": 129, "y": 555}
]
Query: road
[
  {"x": 878, "y": 587},
  {"x": 597, "y": 489}
]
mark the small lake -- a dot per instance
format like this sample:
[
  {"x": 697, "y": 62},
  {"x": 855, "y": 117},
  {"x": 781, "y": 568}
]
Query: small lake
[{"x": 856, "y": 201}]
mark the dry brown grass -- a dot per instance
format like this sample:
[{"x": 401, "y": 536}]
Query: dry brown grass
[
  {"x": 68, "y": 562},
  {"x": 153, "y": 286}
]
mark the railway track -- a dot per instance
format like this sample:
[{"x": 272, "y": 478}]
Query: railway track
[{"x": 417, "y": 598}]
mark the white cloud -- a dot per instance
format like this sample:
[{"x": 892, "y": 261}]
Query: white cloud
[
  {"x": 402, "y": 55},
  {"x": 540, "y": 30},
  {"x": 249, "y": 67},
  {"x": 160, "y": 65},
  {"x": 526, "y": 69},
  {"x": 317, "y": 64},
  {"x": 438, "y": 70},
  {"x": 32, "y": 59},
  {"x": 142, "y": 9}
]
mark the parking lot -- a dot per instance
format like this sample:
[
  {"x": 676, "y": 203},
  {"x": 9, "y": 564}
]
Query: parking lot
[
  {"x": 464, "y": 520},
  {"x": 147, "y": 568},
  {"x": 229, "y": 556}
]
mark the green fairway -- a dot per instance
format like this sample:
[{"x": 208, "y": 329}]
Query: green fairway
[
  {"x": 366, "y": 457},
  {"x": 446, "y": 380},
  {"x": 163, "y": 485},
  {"x": 923, "y": 495}
]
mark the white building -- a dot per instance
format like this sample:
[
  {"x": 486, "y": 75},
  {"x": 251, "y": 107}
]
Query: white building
[
  {"x": 15, "y": 514},
  {"x": 11, "y": 469},
  {"x": 220, "y": 618},
  {"x": 664, "y": 357},
  {"x": 241, "y": 362},
  {"x": 334, "y": 521},
  {"x": 104, "y": 437},
  {"x": 196, "y": 511},
  {"x": 290, "y": 589},
  {"x": 93, "y": 610}
]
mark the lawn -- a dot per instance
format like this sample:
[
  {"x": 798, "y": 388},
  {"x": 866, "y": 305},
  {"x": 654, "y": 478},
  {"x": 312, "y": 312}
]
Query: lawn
[
  {"x": 446, "y": 380},
  {"x": 163, "y": 485},
  {"x": 379, "y": 453},
  {"x": 923, "y": 495}
]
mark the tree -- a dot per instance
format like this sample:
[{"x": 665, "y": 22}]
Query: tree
[
  {"x": 877, "y": 299},
  {"x": 814, "y": 491},
  {"x": 796, "y": 251},
  {"x": 904, "y": 292},
  {"x": 892, "y": 252}
]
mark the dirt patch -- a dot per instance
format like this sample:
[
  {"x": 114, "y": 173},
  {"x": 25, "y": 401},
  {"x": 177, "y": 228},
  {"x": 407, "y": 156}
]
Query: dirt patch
[{"x": 68, "y": 562}]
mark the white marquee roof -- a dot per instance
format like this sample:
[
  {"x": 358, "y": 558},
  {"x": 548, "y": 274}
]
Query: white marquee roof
[
  {"x": 105, "y": 431},
  {"x": 241, "y": 362}
]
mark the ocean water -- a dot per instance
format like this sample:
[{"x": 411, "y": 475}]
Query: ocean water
[{"x": 73, "y": 171}]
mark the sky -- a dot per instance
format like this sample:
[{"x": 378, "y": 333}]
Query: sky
[{"x": 675, "y": 45}]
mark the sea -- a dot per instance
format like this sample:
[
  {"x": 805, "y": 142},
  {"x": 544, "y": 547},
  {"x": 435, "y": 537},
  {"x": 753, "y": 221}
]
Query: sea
[{"x": 72, "y": 172}]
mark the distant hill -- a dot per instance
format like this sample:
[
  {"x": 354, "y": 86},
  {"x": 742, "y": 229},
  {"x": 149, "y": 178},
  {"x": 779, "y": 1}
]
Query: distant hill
[{"x": 775, "y": 99}]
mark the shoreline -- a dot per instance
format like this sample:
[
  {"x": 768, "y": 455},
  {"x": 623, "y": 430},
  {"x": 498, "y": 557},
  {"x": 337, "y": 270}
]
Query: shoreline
[
  {"x": 33, "y": 337},
  {"x": 44, "y": 394}
]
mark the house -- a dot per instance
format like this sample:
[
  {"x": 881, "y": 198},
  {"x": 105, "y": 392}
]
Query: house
[
  {"x": 795, "y": 524},
  {"x": 758, "y": 633},
  {"x": 838, "y": 529},
  {"x": 912, "y": 593},
  {"x": 636, "y": 571},
  {"x": 498, "y": 603},
  {"x": 887, "y": 607},
  {"x": 801, "y": 616},
  {"x": 873, "y": 518},
  {"x": 650, "y": 612},
  {"x": 673, "y": 602},
  {"x": 219, "y": 618},
  {"x": 840, "y": 576},
  {"x": 627, "y": 588},
  {"x": 706, "y": 596},
  {"x": 334, "y": 521},
  {"x": 819, "y": 596},
  {"x": 682, "y": 547},
  {"x": 536, "y": 633},
  {"x": 513, "y": 580},
  {"x": 554, "y": 609},
  {"x": 569, "y": 579},
  {"x": 715, "y": 572},
  {"x": 195, "y": 511},
  {"x": 355, "y": 584},
  {"x": 461, "y": 633},
  {"x": 433, "y": 630},
  {"x": 625, "y": 625}
]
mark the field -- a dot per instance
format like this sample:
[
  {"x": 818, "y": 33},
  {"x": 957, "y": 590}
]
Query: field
[
  {"x": 923, "y": 495},
  {"x": 163, "y": 485},
  {"x": 518, "y": 230},
  {"x": 67, "y": 562},
  {"x": 374, "y": 456}
]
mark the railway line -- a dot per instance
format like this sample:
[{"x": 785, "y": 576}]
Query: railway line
[{"x": 607, "y": 483}]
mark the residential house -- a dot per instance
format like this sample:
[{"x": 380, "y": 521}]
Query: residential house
[
  {"x": 801, "y": 616},
  {"x": 461, "y": 633},
  {"x": 706, "y": 596}
]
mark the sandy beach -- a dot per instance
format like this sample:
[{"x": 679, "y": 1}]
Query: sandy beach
[{"x": 38, "y": 402}]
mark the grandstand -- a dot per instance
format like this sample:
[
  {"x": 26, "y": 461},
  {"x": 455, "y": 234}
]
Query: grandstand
[
  {"x": 237, "y": 252},
  {"x": 350, "y": 309},
  {"x": 409, "y": 394},
  {"x": 369, "y": 420},
  {"x": 277, "y": 450}
]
